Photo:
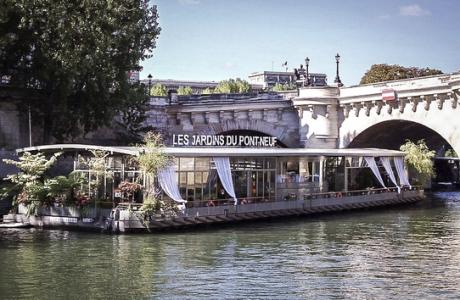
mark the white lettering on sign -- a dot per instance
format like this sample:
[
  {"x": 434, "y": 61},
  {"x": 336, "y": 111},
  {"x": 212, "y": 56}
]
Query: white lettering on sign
[
  {"x": 224, "y": 140},
  {"x": 64, "y": 219}
]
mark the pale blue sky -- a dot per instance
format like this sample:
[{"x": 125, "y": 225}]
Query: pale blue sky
[{"x": 220, "y": 39}]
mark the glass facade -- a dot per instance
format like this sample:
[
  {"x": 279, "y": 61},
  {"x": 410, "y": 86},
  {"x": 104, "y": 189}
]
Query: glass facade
[{"x": 255, "y": 179}]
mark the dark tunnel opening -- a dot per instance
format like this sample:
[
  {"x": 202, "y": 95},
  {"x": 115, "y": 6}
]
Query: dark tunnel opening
[{"x": 393, "y": 134}]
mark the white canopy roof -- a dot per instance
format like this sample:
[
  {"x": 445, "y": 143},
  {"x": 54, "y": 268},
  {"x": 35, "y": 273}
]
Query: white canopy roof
[{"x": 224, "y": 151}]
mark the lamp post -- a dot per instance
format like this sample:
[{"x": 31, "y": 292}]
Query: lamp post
[
  {"x": 307, "y": 62},
  {"x": 150, "y": 84},
  {"x": 337, "y": 77}
]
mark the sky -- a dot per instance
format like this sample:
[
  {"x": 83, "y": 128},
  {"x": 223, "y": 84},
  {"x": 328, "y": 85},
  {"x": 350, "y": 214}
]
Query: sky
[{"x": 220, "y": 39}]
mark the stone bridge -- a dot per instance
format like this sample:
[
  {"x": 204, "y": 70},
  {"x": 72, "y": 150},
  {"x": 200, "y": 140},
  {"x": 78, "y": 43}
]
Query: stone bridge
[
  {"x": 265, "y": 114},
  {"x": 326, "y": 117},
  {"x": 312, "y": 117},
  {"x": 423, "y": 108}
]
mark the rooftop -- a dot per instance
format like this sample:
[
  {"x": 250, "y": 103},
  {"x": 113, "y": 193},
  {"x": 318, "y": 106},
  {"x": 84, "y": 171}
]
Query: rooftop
[{"x": 221, "y": 151}]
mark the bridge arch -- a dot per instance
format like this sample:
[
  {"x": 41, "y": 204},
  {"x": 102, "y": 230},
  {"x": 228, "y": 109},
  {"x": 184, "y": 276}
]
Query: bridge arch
[
  {"x": 392, "y": 134},
  {"x": 426, "y": 121}
]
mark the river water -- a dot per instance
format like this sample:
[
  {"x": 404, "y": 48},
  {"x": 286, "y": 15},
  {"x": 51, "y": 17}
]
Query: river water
[{"x": 408, "y": 251}]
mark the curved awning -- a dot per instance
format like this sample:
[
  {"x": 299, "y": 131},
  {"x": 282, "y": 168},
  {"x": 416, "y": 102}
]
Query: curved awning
[
  {"x": 80, "y": 147},
  {"x": 220, "y": 151}
]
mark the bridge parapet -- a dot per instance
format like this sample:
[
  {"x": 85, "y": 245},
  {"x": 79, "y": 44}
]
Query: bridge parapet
[{"x": 427, "y": 92}]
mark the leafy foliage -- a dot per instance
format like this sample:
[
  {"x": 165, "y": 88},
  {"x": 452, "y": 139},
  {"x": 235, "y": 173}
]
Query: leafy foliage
[
  {"x": 278, "y": 87},
  {"x": 78, "y": 55},
  {"x": 184, "y": 90},
  {"x": 233, "y": 86},
  {"x": 159, "y": 90},
  {"x": 133, "y": 116},
  {"x": 450, "y": 153},
  {"x": 150, "y": 161},
  {"x": 153, "y": 158},
  {"x": 207, "y": 91},
  {"x": 63, "y": 190},
  {"x": 128, "y": 189},
  {"x": 28, "y": 185},
  {"x": 419, "y": 157},
  {"x": 384, "y": 72}
]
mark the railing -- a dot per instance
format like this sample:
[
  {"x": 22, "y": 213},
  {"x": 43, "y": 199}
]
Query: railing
[
  {"x": 129, "y": 206},
  {"x": 358, "y": 192},
  {"x": 215, "y": 203},
  {"x": 228, "y": 201}
]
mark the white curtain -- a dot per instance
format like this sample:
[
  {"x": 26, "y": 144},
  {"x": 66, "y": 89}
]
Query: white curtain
[
  {"x": 399, "y": 164},
  {"x": 168, "y": 181},
  {"x": 387, "y": 165},
  {"x": 225, "y": 175},
  {"x": 371, "y": 164}
]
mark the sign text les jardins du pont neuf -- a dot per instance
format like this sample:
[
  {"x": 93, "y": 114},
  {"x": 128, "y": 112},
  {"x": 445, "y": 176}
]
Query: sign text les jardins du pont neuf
[{"x": 223, "y": 140}]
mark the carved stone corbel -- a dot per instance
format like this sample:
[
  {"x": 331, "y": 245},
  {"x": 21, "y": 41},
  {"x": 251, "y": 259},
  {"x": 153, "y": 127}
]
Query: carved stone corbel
[
  {"x": 427, "y": 101},
  {"x": 389, "y": 108},
  {"x": 265, "y": 114},
  {"x": 379, "y": 105},
  {"x": 279, "y": 114},
  {"x": 300, "y": 110},
  {"x": 414, "y": 103},
  {"x": 346, "y": 110},
  {"x": 439, "y": 100},
  {"x": 402, "y": 105},
  {"x": 221, "y": 115},
  {"x": 453, "y": 99},
  {"x": 368, "y": 106},
  {"x": 356, "y": 108}
]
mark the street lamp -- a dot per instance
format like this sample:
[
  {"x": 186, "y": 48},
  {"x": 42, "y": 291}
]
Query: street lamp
[
  {"x": 337, "y": 77},
  {"x": 307, "y": 62},
  {"x": 150, "y": 84}
]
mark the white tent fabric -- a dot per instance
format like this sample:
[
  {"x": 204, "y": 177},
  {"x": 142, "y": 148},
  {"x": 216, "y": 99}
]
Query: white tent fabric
[
  {"x": 387, "y": 165},
  {"x": 373, "y": 166},
  {"x": 168, "y": 181},
  {"x": 225, "y": 175},
  {"x": 399, "y": 164}
]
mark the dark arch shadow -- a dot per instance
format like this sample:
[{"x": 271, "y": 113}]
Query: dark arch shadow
[
  {"x": 249, "y": 132},
  {"x": 392, "y": 134}
]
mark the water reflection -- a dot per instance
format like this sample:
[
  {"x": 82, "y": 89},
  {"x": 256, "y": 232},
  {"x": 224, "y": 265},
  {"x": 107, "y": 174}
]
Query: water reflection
[{"x": 407, "y": 250}]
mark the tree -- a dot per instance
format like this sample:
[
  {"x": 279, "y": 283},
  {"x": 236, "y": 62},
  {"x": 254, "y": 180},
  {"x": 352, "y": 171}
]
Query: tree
[
  {"x": 133, "y": 116},
  {"x": 278, "y": 87},
  {"x": 159, "y": 90},
  {"x": 29, "y": 183},
  {"x": 420, "y": 158},
  {"x": 384, "y": 72},
  {"x": 450, "y": 153},
  {"x": 207, "y": 91},
  {"x": 78, "y": 54},
  {"x": 184, "y": 90},
  {"x": 150, "y": 161},
  {"x": 233, "y": 86}
]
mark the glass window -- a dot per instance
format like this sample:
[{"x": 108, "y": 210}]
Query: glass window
[
  {"x": 186, "y": 164},
  {"x": 289, "y": 170},
  {"x": 202, "y": 164}
]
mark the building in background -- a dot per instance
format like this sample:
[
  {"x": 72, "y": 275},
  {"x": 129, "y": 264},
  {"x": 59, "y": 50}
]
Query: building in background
[
  {"x": 171, "y": 84},
  {"x": 197, "y": 86},
  {"x": 268, "y": 79}
]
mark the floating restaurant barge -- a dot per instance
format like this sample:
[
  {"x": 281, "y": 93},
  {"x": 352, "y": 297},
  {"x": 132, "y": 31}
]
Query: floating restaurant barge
[{"x": 215, "y": 185}]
